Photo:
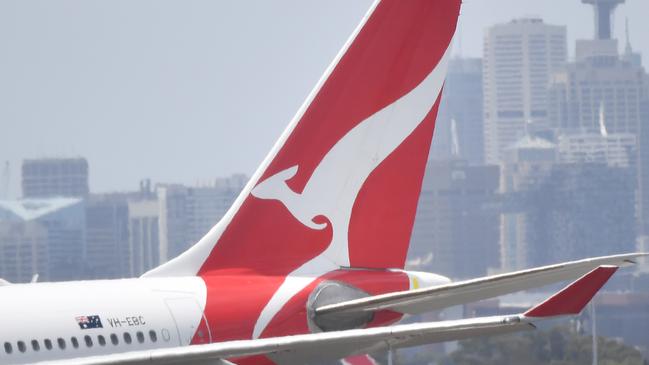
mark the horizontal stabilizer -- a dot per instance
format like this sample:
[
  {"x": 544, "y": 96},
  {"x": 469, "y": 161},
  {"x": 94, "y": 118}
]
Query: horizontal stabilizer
[
  {"x": 572, "y": 299},
  {"x": 443, "y": 296}
]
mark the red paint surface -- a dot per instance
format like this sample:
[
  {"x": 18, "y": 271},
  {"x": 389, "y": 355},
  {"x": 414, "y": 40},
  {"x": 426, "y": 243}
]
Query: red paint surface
[
  {"x": 359, "y": 360},
  {"x": 292, "y": 319},
  {"x": 576, "y": 296},
  {"x": 398, "y": 47}
]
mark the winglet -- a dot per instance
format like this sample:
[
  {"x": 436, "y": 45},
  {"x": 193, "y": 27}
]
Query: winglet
[{"x": 573, "y": 298}]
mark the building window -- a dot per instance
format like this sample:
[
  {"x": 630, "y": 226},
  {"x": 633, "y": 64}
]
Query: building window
[
  {"x": 127, "y": 338},
  {"x": 140, "y": 337},
  {"x": 75, "y": 342},
  {"x": 61, "y": 343},
  {"x": 88, "y": 340},
  {"x": 113, "y": 339},
  {"x": 153, "y": 336},
  {"x": 35, "y": 345}
]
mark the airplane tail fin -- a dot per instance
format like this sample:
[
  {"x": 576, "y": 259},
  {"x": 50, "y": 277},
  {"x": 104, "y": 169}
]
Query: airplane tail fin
[{"x": 343, "y": 179}]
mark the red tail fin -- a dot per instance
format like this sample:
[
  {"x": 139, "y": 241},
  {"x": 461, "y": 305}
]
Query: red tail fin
[{"x": 344, "y": 179}]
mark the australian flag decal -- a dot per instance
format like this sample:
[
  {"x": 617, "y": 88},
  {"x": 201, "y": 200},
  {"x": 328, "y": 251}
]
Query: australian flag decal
[{"x": 88, "y": 322}]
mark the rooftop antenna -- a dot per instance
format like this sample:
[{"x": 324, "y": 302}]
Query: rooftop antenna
[
  {"x": 628, "y": 49},
  {"x": 455, "y": 147},
  {"x": 602, "y": 121}
]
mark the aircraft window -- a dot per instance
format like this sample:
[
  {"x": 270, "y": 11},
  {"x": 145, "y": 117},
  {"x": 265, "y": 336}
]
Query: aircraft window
[
  {"x": 153, "y": 336},
  {"x": 113, "y": 339},
  {"x": 127, "y": 337},
  {"x": 21, "y": 346},
  {"x": 75, "y": 342},
  {"x": 35, "y": 345},
  {"x": 8, "y": 348},
  {"x": 140, "y": 336},
  {"x": 61, "y": 343},
  {"x": 48, "y": 343},
  {"x": 165, "y": 335},
  {"x": 88, "y": 340},
  {"x": 101, "y": 340}
]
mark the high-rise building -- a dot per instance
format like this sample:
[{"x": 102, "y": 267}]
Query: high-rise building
[
  {"x": 581, "y": 210},
  {"x": 602, "y": 84},
  {"x": 174, "y": 217},
  {"x": 611, "y": 149},
  {"x": 598, "y": 81},
  {"x": 23, "y": 251},
  {"x": 527, "y": 163},
  {"x": 145, "y": 250},
  {"x": 54, "y": 177},
  {"x": 459, "y": 126},
  {"x": 188, "y": 213},
  {"x": 456, "y": 226},
  {"x": 519, "y": 58},
  {"x": 206, "y": 205},
  {"x": 107, "y": 246},
  {"x": 61, "y": 220},
  {"x": 173, "y": 227}
]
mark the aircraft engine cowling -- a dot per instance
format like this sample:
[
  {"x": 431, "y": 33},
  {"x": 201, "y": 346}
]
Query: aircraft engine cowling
[{"x": 331, "y": 292}]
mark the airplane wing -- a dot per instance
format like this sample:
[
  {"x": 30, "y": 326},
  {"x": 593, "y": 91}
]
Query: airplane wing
[
  {"x": 301, "y": 349},
  {"x": 428, "y": 299}
]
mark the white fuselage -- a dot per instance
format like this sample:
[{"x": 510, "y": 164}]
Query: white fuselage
[{"x": 43, "y": 322}]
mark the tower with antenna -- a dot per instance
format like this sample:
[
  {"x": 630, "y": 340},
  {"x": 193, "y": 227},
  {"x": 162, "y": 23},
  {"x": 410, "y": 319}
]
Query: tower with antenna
[
  {"x": 634, "y": 58},
  {"x": 603, "y": 11}
]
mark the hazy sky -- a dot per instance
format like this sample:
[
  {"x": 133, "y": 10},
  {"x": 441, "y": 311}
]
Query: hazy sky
[{"x": 185, "y": 91}]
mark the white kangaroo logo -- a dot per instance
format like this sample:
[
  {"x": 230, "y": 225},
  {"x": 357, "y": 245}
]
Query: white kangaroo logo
[{"x": 334, "y": 185}]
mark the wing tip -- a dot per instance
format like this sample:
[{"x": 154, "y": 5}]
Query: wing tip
[{"x": 572, "y": 299}]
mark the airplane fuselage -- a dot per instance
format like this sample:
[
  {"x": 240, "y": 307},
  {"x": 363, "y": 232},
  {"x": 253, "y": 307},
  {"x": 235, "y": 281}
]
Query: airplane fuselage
[{"x": 51, "y": 321}]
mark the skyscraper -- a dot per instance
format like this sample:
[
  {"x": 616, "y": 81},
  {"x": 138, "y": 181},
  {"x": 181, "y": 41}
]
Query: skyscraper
[
  {"x": 603, "y": 85},
  {"x": 167, "y": 221},
  {"x": 612, "y": 149},
  {"x": 459, "y": 129},
  {"x": 526, "y": 164},
  {"x": 145, "y": 250},
  {"x": 52, "y": 177},
  {"x": 457, "y": 220},
  {"x": 598, "y": 80},
  {"x": 55, "y": 224},
  {"x": 23, "y": 251},
  {"x": 107, "y": 249},
  {"x": 188, "y": 213},
  {"x": 581, "y": 210},
  {"x": 519, "y": 58}
]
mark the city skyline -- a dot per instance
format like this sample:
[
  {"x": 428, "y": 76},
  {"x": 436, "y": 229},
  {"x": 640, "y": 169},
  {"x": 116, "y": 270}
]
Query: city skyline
[
  {"x": 117, "y": 85},
  {"x": 428, "y": 187}
]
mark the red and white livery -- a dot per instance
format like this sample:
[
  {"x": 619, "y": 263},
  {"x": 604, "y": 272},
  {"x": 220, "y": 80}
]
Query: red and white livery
[{"x": 308, "y": 263}]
